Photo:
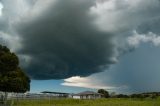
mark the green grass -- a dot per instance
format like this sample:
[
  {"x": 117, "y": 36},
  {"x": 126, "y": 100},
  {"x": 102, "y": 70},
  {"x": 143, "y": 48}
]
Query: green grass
[{"x": 97, "y": 102}]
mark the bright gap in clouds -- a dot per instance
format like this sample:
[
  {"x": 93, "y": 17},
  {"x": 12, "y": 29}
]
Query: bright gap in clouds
[
  {"x": 85, "y": 82},
  {"x": 1, "y": 7}
]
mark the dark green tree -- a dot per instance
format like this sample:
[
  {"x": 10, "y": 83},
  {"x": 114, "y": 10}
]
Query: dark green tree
[
  {"x": 12, "y": 78},
  {"x": 104, "y": 93}
]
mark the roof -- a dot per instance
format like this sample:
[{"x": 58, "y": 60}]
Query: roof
[
  {"x": 87, "y": 93},
  {"x": 54, "y": 92}
]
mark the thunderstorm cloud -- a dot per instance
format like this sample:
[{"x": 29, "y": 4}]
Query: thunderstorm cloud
[{"x": 59, "y": 39}]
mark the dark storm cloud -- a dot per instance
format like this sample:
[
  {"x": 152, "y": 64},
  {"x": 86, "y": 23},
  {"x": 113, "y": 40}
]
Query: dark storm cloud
[
  {"x": 64, "y": 43},
  {"x": 57, "y": 39}
]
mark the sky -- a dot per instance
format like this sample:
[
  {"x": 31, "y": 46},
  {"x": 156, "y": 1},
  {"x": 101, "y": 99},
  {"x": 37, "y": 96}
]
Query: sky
[{"x": 77, "y": 45}]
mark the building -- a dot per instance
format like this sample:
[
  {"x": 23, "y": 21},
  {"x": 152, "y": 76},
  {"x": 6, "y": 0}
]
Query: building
[
  {"x": 42, "y": 95},
  {"x": 56, "y": 94},
  {"x": 87, "y": 95}
]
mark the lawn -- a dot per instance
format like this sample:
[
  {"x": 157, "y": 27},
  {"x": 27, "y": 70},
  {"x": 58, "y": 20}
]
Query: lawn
[{"x": 97, "y": 102}]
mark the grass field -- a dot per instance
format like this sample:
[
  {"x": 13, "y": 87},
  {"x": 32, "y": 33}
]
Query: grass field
[{"x": 98, "y": 102}]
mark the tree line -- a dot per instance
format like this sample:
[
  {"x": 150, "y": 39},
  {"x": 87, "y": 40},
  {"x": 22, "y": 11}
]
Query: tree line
[{"x": 106, "y": 94}]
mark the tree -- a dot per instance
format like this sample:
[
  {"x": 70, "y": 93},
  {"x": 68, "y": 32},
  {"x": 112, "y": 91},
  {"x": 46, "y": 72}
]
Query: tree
[
  {"x": 104, "y": 93},
  {"x": 12, "y": 78}
]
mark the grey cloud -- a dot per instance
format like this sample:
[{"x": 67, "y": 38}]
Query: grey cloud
[
  {"x": 59, "y": 39},
  {"x": 150, "y": 26},
  {"x": 63, "y": 42},
  {"x": 125, "y": 15}
]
